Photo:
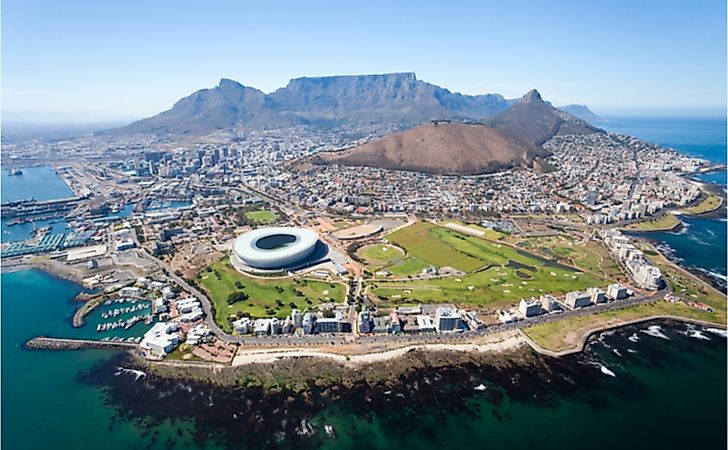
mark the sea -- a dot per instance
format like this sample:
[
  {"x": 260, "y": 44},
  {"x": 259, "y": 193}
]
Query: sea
[{"x": 655, "y": 385}]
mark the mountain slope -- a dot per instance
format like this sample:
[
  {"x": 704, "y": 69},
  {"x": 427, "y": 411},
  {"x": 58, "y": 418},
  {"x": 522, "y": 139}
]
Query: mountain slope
[
  {"x": 511, "y": 138},
  {"x": 321, "y": 101}
]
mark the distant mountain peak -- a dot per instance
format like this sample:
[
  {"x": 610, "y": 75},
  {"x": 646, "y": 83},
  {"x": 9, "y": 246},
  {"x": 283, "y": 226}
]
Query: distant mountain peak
[
  {"x": 532, "y": 96},
  {"x": 228, "y": 82}
]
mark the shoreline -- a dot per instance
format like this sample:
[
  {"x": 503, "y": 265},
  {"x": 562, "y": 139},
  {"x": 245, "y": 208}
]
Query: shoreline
[{"x": 587, "y": 334}]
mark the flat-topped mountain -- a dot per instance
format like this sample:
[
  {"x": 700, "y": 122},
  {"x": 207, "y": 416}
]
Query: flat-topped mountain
[
  {"x": 394, "y": 98},
  {"x": 511, "y": 138}
]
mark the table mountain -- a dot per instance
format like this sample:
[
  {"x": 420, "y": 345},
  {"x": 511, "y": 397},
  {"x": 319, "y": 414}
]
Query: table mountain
[{"x": 320, "y": 101}]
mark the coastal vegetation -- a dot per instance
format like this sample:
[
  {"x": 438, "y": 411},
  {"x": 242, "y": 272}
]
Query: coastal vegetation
[
  {"x": 665, "y": 222},
  {"x": 273, "y": 297},
  {"x": 568, "y": 334},
  {"x": 708, "y": 204}
]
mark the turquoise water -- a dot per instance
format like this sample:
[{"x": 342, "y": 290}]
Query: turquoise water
[{"x": 43, "y": 404}]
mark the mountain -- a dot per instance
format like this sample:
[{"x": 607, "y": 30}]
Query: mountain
[
  {"x": 581, "y": 111},
  {"x": 320, "y": 101},
  {"x": 510, "y": 138}
]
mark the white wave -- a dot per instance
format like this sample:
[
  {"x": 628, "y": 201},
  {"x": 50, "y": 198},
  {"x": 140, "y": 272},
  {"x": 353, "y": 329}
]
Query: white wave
[
  {"x": 655, "y": 331},
  {"x": 713, "y": 274},
  {"x": 480, "y": 387},
  {"x": 634, "y": 338},
  {"x": 606, "y": 371},
  {"x": 137, "y": 373},
  {"x": 718, "y": 331},
  {"x": 697, "y": 334},
  {"x": 631, "y": 350},
  {"x": 616, "y": 352}
]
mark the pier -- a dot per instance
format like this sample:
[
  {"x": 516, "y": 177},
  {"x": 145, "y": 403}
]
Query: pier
[{"x": 47, "y": 343}]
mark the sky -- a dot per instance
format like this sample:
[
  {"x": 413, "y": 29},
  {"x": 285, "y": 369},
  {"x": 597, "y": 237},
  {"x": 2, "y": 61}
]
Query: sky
[{"x": 102, "y": 61}]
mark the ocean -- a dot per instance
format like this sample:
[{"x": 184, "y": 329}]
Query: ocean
[{"x": 668, "y": 390}]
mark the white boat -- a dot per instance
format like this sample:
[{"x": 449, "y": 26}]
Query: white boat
[{"x": 330, "y": 431}]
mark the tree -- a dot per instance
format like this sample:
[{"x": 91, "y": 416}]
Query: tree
[
  {"x": 329, "y": 313},
  {"x": 237, "y": 296}
]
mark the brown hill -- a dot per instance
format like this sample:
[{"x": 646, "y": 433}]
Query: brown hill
[{"x": 512, "y": 138}]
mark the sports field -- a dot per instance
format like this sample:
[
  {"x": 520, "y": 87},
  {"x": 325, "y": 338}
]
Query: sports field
[
  {"x": 506, "y": 274},
  {"x": 390, "y": 258},
  {"x": 266, "y": 297},
  {"x": 262, "y": 216}
]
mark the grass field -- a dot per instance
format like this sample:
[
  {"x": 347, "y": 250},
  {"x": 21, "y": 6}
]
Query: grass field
[
  {"x": 425, "y": 241},
  {"x": 588, "y": 255},
  {"x": 565, "y": 334},
  {"x": 380, "y": 255},
  {"x": 262, "y": 216},
  {"x": 510, "y": 275},
  {"x": 710, "y": 203},
  {"x": 267, "y": 297},
  {"x": 664, "y": 222}
]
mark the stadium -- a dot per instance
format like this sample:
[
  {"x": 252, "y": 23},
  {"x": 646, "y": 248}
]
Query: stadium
[{"x": 275, "y": 249}]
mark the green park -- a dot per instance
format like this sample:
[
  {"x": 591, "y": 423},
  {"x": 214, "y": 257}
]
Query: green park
[{"x": 234, "y": 294}]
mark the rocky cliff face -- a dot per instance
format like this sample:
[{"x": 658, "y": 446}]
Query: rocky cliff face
[{"x": 322, "y": 101}]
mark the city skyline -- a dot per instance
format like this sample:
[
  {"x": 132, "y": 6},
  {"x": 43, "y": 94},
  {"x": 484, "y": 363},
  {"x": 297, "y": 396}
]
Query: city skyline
[{"x": 127, "y": 61}]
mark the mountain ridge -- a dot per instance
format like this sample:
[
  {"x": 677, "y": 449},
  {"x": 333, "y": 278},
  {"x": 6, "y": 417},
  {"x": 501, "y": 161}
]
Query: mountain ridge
[
  {"x": 508, "y": 139},
  {"x": 330, "y": 101}
]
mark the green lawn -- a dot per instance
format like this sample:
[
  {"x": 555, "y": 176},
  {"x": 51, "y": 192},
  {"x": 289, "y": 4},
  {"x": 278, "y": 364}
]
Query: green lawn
[
  {"x": 509, "y": 275},
  {"x": 590, "y": 255},
  {"x": 496, "y": 286},
  {"x": 262, "y": 216},
  {"x": 263, "y": 293},
  {"x": 709, "y": 203},
  {"x": 666, "y": 221},
  {"x": 410, "y": 266},
  {"x": 423, "y": 240},
  {"x": 380, "y": 255},
  {"x": 391, "y": 258}
]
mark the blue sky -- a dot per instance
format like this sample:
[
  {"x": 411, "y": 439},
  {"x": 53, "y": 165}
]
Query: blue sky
[{"x": 91, "y": 61}]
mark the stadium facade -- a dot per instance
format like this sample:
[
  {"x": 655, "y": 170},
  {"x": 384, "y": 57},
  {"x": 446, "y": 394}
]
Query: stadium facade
[{"x": 273, "y": 248}]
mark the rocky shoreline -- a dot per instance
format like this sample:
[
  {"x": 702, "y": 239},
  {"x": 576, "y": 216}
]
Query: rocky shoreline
[
  {"x": 287, "y": 404},
  {"x": 272, "y": 405}
]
